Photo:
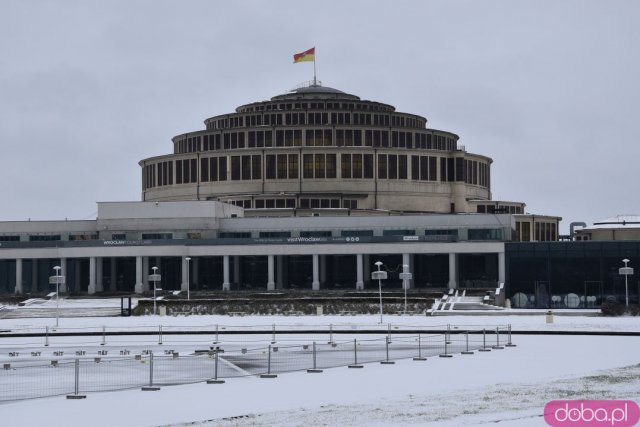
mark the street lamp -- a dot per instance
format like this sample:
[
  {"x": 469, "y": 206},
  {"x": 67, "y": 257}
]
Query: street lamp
[
  {"x": 58, "y": 279},
  {"x": 155, "y": 277},
  {"x": 380, "y": 276},
  {"x": 626, "y": 271},
  {"x": 188, "y": 295},
  {"x": 405, "y": 276}
]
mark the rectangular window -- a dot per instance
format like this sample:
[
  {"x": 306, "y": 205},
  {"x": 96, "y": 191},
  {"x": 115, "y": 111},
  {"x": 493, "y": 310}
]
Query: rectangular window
[
  {"x": 345, "y": 160},
  {"x": 222, "y": 168},
  {"x": 293, "y": 166},
  {"x": 235, "y": 168},
  {"x": 433, "y": 168},
  {"x": 368, "y": 166},
  {"x": 393, "y": 166},
  {"x": 331, "y": 165},
  {"x": 402, "y": 167},
  {"x": 204, "y": 169},
  {"x": 443, "y": 169},
  {"x": 424, "y": 168},
  {"x": 415, "y": 167},
  {"x": 256, "y": 167},
  {"x": 246, "y": 167},
  {"x": 271, "y": 166},
  {"x": 357, "y": 166},
  {"x": 382, "y": 166},
  {"x": 178, "y": 171},
  {"x": 308, "y": 166},
  {"x": 282, "y": 166},
  {"x": 320, "y": 165}
]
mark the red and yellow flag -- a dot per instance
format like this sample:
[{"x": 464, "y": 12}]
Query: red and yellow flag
[{"x": 307, "y": 55}]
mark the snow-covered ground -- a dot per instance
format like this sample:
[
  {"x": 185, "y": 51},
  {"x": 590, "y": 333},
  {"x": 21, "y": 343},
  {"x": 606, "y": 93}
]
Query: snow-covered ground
[{"x": 509, "y": 387}]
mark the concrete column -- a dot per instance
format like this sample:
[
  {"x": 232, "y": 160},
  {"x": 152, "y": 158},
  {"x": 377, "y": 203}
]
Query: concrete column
[
  {"x": 453, "y": 271},
  {"x": 185, "y": 268},
  {"x": 279, "y": 271},
  {"x": 112, "y": 275},
  {"x": 270, "y": 283},
  {"x": 225, "y": 273},
  {"x": 99, "y": 283},
  {"x": 406, "y": 260},
  {"x": 139, "y": 287},
  {"x": 501, "y": 267},
  {"x": 65, "y": 273},
  {"x": 91, "y": 289},
  {"x": 19, "y": 289},
  {"x": 315, "y": 284},
  {"x": 236, "y": 271},
  {"x": 359, "y": 281}
]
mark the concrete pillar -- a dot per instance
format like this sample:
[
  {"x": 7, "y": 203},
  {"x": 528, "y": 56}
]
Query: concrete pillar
[
  {"x": 185, "y": 279},
  {"x": 359, "y": 281},
  {"x": 139, "y": 287},
  {"x": 112, "y": 275},
  {"x": 315, "y": 284},
  {"x": 501, "y": 267},
  {"x": 63, "y": 271},
  {"x": 225, "y": 273},
  {"x": 279, "y": 271},
  {"x": 99, "y": 273},
  {"x": 406, "y": 260},
  {"x": 453, "y": 271},
  {"x": 19, "y": 289},
  {"x": 270, "y": 283},
  {"x": 91, "y": 289},
  {"x": 236, "y": 271}
]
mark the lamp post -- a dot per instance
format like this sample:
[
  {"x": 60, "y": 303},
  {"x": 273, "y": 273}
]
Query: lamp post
[
  {"x": 58, "y": 279},
  {"x": 188, "y": 295},
  {"x": 379, "y": 275},
  {"x": 626, "y": 271},
  {"x": 155, "y": 277},
  {"x": 405, "y": 276}
]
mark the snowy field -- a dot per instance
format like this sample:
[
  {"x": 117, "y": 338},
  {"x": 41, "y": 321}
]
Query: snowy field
[{"x": 505, "y": 387}]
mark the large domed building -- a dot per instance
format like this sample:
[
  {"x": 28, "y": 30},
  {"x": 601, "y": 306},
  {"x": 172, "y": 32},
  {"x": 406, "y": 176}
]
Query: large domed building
[{"x": 318, "y": 150}]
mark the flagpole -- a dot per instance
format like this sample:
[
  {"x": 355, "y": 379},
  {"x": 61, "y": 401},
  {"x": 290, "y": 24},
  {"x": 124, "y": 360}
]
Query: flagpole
[{"x": 314, "y": 69}]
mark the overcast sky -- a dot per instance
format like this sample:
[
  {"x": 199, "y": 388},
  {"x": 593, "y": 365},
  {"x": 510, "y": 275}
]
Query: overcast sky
[{"x": 548, "y": 89}]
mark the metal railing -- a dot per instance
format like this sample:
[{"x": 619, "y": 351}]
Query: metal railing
[{"x": 33, "y": 377}]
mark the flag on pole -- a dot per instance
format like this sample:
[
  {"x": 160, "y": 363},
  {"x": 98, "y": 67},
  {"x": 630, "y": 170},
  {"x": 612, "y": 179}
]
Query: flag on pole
[{"x": 307, "y": 55}]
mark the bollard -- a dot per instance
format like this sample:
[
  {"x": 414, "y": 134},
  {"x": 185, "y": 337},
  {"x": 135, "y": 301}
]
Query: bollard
[
  {"x": 466, "y": 336},
  {"x": 315, "y": 369},
  {"x": 150, "y": 387},
  {"x": 509, "y": 343},
  {"x": 268, "y": 374},
  {"x": 387, "y": 361},
  {"x": 215, "y": 379},
  {"x": 159, "y": 334},
  {"x": 104, "y": 337},
  {"x": 273, "y": 334},
  {"x": 484, "y": 341},
  {"x": 76, "y": 388},
  {"x": 419, "y": 358},
  {"x": 497, "y": 346},
  {"x": 355, "y": 355},
  {"x": 46, "y": 337}
]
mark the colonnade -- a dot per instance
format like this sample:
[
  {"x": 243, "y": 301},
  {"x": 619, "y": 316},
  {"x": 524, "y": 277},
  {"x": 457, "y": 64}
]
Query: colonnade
[{"x": 274, "y": 279}]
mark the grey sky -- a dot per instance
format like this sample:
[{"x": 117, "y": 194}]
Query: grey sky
[{"x": 548, "y": 89}]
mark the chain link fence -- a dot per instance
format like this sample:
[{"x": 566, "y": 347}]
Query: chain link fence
[{"x": 74, "y": 377}]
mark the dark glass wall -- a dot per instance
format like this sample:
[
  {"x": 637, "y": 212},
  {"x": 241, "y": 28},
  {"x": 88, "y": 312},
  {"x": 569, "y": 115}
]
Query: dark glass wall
[{"x": 570, "y": 274}]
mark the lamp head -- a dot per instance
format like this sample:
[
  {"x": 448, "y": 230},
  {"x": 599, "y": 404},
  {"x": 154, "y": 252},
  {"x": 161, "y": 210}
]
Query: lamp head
[
  {"x": 57, "y": 268},
  {"x": 188, "y": 258},
  {"x": 154, "y": 269},
  {"x": 625, "y": 260},
  {"x": 378, "y": 263}
]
